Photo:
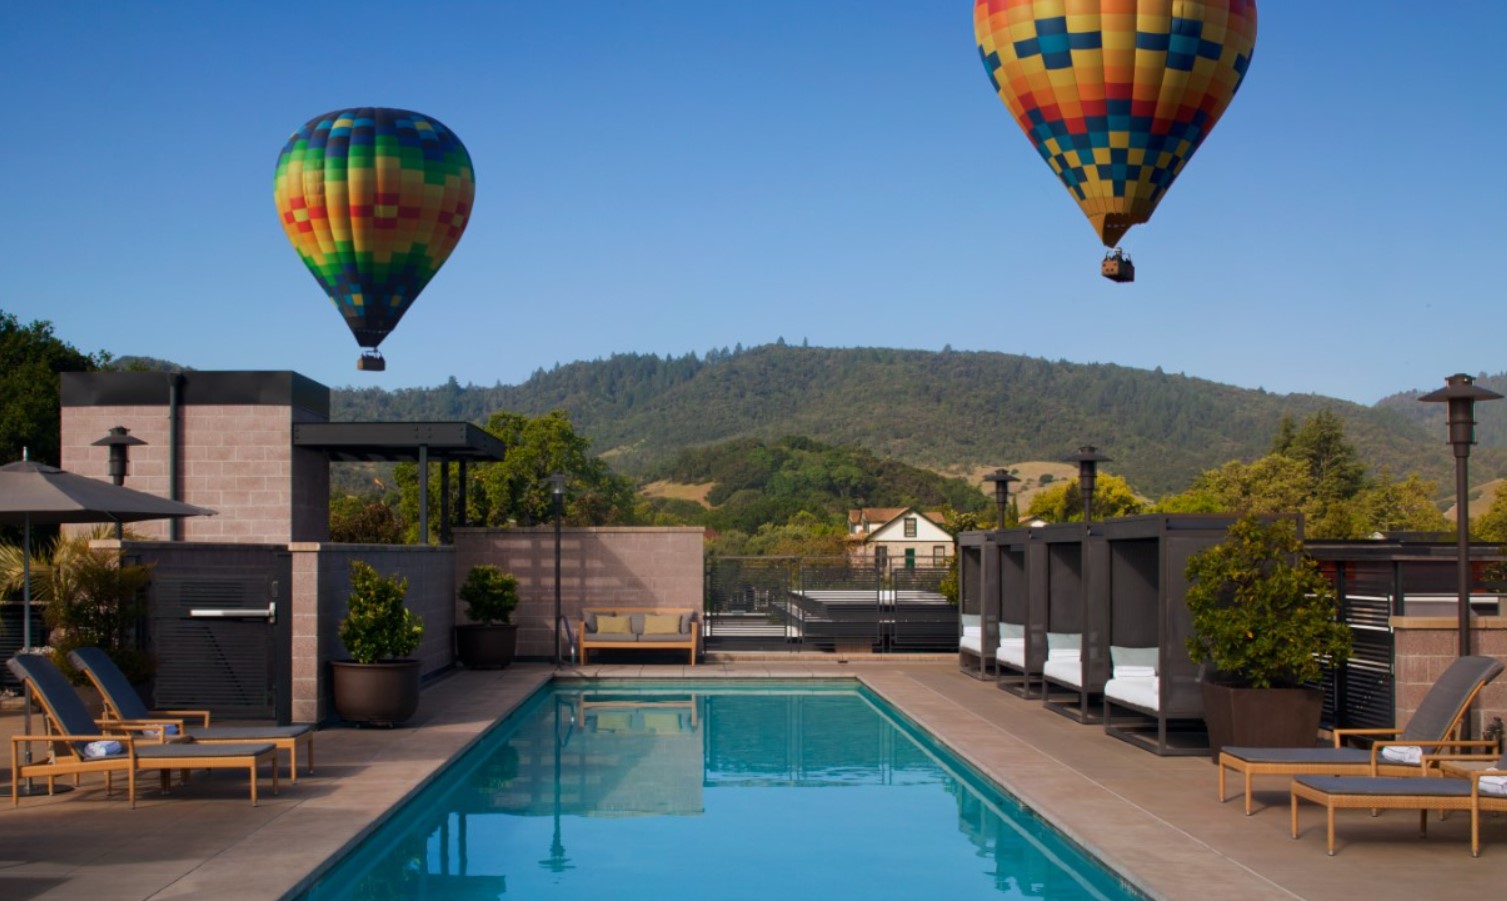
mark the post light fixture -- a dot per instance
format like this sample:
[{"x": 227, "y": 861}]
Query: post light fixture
[
  {"x": 119, "y": 441},
  {"x": 557, "y": 493},
  {"x": 1001, "y": 479},
  {"x": 1461, "y": 393},
  {"x": 1088, "y": 459}
]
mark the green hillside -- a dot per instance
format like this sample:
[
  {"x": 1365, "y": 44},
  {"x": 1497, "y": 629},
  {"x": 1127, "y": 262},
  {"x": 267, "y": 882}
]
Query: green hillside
[{"x": 945, "y": 411}]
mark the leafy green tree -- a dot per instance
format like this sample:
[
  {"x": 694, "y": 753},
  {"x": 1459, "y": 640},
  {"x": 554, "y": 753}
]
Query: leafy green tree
[
  {"x": 1262, "y": 612},
  {"x": 356, "y": 520},
  {"x": 31, "y": 359},
  {"x": 1332, "y": 461},
  {"x": 514, "y": 491},
  {"x": 1491, "y": 525},
  {"x": 804, "y": 535},
  {"x": 1064, "y": 502},
  {"x": 1406, "y": 506}
]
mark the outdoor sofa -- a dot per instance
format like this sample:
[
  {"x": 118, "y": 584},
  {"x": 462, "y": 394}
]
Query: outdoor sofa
[{"x": 639, "y": 628}]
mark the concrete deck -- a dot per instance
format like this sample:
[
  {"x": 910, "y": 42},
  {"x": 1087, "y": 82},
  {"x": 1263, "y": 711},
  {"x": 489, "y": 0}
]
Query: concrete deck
[{"x": 1154, "y": 819}]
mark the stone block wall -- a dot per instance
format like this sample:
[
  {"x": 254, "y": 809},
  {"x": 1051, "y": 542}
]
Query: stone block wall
[
  {"x": 644, "y": 567},
  {"x": 1427, "y": 645},
  {"x": 235, "y": 457},
  {"x": 321, "y": 584}
]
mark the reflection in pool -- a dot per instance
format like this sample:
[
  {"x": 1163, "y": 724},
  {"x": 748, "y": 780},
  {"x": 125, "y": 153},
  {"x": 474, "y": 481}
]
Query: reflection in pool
[{"x": 721, "y": 790}]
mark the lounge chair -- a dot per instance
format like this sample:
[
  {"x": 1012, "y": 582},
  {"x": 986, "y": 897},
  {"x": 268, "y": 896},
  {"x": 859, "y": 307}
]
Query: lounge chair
[
  {"x": 123, "y": 703},
  {"x": 140, "y": 746},
  {"x": 1401, "y": 793},
  {"x": 1433, "y": 727}
]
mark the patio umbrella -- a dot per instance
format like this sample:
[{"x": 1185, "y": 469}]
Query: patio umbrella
[
  {"x": 35, "y": 493},
  {"x": 32, "y": 492}
]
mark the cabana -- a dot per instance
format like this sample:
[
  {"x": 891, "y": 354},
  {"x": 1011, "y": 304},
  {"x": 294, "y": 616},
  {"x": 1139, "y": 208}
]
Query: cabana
[
  {"x": 1076, "y": 664},
  {"x": 1021, "y": 646},
  {"x": 1153, "y": 698},
  {"x": 978, "y": 605}
]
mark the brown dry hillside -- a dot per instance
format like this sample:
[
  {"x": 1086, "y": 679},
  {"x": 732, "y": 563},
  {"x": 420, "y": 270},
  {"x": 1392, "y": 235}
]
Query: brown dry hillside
[
  {"x": 680, "y": 491},
  {"x": 1029, "y": 472},
  {"x": 1481, "y": 497}
]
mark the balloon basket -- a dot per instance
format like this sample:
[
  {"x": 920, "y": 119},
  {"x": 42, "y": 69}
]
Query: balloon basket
[
  {"x": 1117, "y": 267},
  {"x": 371, "y": 361}
]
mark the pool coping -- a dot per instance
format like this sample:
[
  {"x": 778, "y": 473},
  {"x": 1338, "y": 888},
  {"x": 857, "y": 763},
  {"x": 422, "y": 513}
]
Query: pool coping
[{"x": 1154, "y": 820}]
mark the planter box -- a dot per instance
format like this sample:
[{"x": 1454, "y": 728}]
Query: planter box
[
  {"x": 1261, "y": 717},
  {"x": 378, "y": 694}
]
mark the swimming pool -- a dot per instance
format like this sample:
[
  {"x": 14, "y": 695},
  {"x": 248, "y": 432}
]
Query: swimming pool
[{"x": 727, "y": 790}]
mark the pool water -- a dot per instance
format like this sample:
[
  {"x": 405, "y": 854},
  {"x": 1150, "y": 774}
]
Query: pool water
[{"x": 712, "y": 790}]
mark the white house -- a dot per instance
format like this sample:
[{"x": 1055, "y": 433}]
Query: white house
[{"x": 899, "y": 536}]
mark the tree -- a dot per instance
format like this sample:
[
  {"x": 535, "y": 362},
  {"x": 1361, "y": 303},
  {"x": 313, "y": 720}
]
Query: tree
[
  {"x": 1406, "y": 506},
  {"x": 31, "y": 359},
  {"x": 1333, "y": 464},
  {"x": 515, "y": 491},
  {"x": 356, "y": 520},
  {"x": 1064, "y": 503},
  {"x": 1492, "y": 525}
]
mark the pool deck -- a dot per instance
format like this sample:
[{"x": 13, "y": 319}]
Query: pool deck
[{"x": 1153, "y": 818}]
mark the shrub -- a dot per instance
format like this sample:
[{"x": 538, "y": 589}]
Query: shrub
[
  {"x": 490, "y": 595},
  {"x": 377, "y": 626},
  {"x": 1263, "y": 614}
]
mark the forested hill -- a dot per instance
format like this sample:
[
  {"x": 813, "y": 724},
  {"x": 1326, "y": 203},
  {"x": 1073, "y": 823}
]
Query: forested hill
[
  {"x": 1491, "y": 416},
  {"x": 946, "y": 410}
]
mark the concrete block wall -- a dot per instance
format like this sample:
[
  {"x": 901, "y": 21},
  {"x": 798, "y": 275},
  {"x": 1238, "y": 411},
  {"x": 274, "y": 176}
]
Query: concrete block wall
[
  {"x": 645, "y": 567},
  {"x": 321, "y": 584},
  {"x": 235, "y": 451},
  {"x": 1427, "y": 645}
]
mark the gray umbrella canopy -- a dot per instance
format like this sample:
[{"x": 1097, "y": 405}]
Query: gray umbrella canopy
[{"x": 33, "y": 493}]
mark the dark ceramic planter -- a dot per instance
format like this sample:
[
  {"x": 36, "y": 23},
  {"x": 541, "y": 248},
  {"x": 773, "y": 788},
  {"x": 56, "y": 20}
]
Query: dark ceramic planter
[
  {"x": 378, "y": 694},
  {"x": 1261, "y": 717},
  {"x": 486, "y": 647}
]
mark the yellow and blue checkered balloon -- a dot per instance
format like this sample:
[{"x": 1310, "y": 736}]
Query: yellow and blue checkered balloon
[{"x": 1116, "y": 95}]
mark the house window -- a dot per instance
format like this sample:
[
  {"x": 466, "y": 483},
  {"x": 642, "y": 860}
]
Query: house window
[
  {"x": 910, "y": 527},
  {"x": 881, "y": 557},
  {"x": 939, "y": 555}
]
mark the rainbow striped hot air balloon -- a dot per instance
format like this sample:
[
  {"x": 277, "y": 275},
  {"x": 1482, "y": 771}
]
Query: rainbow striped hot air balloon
[
  {"x": 1116, "y": 95},
  {"x": 374, "y": 200}
]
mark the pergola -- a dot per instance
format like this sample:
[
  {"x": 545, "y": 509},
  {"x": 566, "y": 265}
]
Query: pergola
[{"x": 407, "y": 442}]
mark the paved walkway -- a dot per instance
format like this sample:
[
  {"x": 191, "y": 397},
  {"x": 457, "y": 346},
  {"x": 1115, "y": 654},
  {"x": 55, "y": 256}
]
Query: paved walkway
[{"x": 1155, "y": 819}]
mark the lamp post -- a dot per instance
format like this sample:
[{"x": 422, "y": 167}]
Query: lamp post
[
  {"x": 1461, "y": 393},
  {"x": 120, "y": 442},
  {"x": 1088, "y": 459},
  {"x": 557, "y": 492},
  {"x": 1001, "y": 480}
]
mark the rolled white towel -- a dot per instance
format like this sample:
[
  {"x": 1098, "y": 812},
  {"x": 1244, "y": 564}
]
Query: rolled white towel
[
  {"x": 1494, "y": 785},
  {"x": 1408, "y": 754},
  {"x": 97, "y": 749}
]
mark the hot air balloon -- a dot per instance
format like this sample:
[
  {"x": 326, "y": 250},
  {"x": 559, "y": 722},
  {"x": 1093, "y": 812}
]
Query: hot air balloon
[
  {"x": 1116, "y": 95},
  {"x": 374, "y": 200}
]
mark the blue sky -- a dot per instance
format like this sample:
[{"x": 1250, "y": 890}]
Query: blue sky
[{"x": 670, "y": 176}]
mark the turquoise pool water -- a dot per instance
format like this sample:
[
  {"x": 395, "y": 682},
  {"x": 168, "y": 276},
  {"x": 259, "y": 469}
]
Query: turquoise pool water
[{"x": 712, "y": 790}]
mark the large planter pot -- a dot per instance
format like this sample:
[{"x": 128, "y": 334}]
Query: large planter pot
[
  {"x": 1261, "y": 717},
  {"x": 486, "y": 647},
  {"x": 378, "y": 694}
]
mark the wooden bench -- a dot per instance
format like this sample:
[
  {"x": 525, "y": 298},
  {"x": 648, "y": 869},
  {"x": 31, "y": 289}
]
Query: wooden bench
[{"x": 636, "y": 636}]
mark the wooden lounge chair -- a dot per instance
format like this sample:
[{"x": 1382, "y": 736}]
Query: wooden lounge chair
[
  {"x": 1401, "y": 793},
  {"x": 1434, "y": 726},
  {"x": 124, "y": 704},
  {"x": 142, "y": 746}
]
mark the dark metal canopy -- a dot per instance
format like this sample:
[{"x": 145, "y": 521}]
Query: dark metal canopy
[{"x": 398, "y": 442}]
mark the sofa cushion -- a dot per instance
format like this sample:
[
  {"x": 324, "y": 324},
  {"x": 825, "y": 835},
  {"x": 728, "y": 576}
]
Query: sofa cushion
[
  {"x": 652, "y": 637},
  {"x": 662, "y": 624},
  {"x": 616, "y": 625},
  {"x": 1123, "y": 657}
]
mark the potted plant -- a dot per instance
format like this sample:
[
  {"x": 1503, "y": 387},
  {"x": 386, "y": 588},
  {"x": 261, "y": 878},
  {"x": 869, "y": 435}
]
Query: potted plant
[
  {"x": 490, "y": 640},
  {"x": 379, "y": 685},
  {"x": 1265, "y": 621}
]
